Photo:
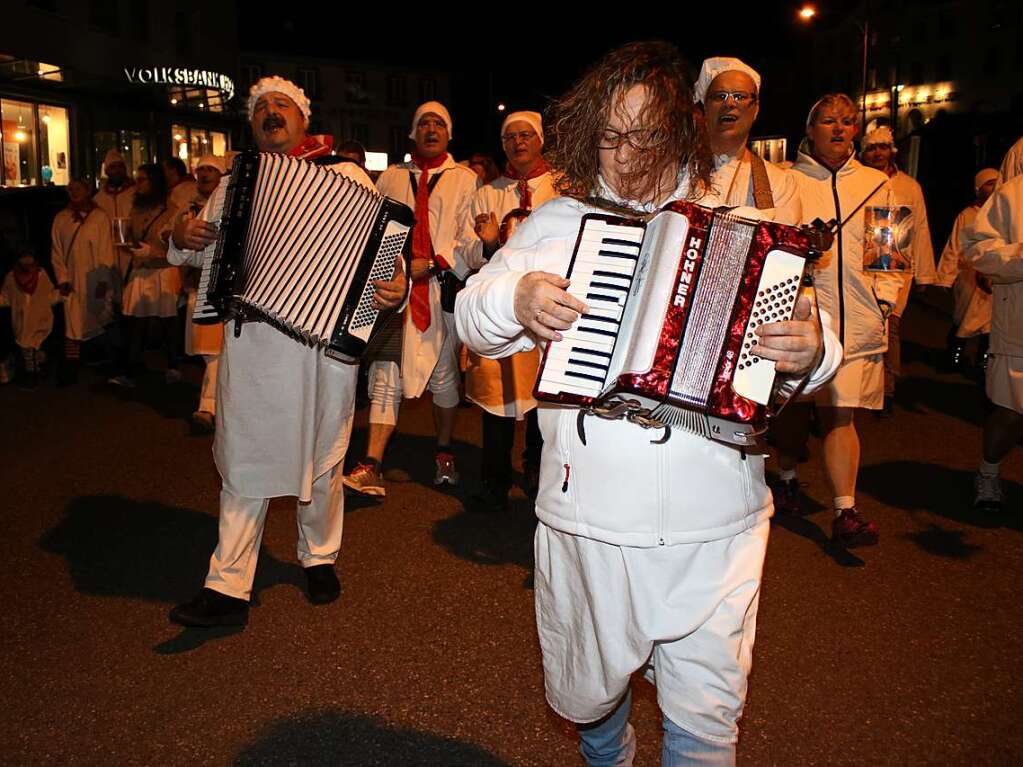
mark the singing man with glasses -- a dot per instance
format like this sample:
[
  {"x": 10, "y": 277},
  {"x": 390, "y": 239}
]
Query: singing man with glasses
[
  {"x": 504, "y": 388},
  {"x": 729, "y": 91}
]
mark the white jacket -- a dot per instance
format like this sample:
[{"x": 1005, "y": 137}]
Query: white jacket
[
  {"x": 971, "y": 313},
  {"x": 844, "y": 290},
  {"x": 731, "y": 182},
  {"x": 449, "y": 205},
  {"x": 284, "y": 409},
  {"x": 83, "y": 255},
  {"x": 994, "y": 245},
  {"x": 908, "y": 192},
  {"x": 619, "y": 487},
  {"x": 1012, "y": 163}
]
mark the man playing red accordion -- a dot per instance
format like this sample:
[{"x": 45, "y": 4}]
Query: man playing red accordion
[{"x": 646, "y": 554}]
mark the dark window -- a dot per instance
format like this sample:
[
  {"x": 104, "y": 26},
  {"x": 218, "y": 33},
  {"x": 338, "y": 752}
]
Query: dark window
[
  {"x": 872, "y": 79},
  {"x": 916, "y": 72},
  {"x": 396, "y": 90},
  {"x": 427, "y": 89},
  {"x": 399, "y": 142},
  {"x": 356, "y": 88},
  {"x": 103, "y": 15},
  {"x": 251, "y": 73},
  {"x": 139, "y": 21},
  {"x": 309, "y": 81},
  {"x": 946, "y": 26},
  {"x": 360, "y": 133},
  {"x": 943, "y": 70},
  {"x": 182, "y": 32},
  {"x": 993, "y": 61},
  {"x": 44, "y": 5}
]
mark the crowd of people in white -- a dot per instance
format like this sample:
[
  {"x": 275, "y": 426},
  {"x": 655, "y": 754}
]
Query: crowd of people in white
[{"x": 636, "y": 565}]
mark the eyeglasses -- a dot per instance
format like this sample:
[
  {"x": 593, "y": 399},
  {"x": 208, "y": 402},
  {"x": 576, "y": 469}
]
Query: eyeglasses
[
  {"x": 642, "y": 139},
  {"x": 741, "y": 98},
  {"x": 522, "y": 135}
]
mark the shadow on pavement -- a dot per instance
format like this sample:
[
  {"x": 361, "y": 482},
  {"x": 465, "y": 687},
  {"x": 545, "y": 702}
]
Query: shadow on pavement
[
  {"x": 118, "y": 547},
  {"x": 940, "y": 542},
  {"x": 937, "y": 489},
  {"x": 193, "y": 638},
  {"x": 959, "y": 398},
  {"x": 499, "y": 538},
  {"x": 354, "y": 740},
  {"x": 802, "y": 526}
]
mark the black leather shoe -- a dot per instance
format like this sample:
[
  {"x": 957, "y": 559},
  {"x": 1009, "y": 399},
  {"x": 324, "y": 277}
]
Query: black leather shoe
[
  {"x": 487, "y": 501},
  {"x": 323, "y": 585},
  {"x": 211, "y": 608}
]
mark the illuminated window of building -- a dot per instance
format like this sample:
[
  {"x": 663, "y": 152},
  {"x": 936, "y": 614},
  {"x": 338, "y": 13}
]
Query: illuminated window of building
[
  {"x": 179, "y": 142},
  {"x": 36, "y": 147},
  {"x": 134, "y": 146},
  {"x": 218, "y": 143},
  {"x": 190, "y": 144}
]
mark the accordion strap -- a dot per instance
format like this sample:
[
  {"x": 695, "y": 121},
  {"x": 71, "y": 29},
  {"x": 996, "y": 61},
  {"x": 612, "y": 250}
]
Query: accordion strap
[{"x": 763, "y": 198}]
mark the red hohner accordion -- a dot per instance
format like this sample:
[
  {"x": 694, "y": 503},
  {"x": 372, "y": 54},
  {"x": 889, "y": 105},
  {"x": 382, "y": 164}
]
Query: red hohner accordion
[{"x": 674, "y": 301}]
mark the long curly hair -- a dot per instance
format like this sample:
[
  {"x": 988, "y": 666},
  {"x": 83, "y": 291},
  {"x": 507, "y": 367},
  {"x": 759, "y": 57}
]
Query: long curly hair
[{"x": 576, "y": 121}]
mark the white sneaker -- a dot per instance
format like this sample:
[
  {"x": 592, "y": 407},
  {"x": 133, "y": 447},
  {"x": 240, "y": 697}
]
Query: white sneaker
[
  {"x": 988, "y": 496},
  {"x": 365, "y": 478}
]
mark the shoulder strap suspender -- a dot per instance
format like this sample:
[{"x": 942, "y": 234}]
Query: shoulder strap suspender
[{"x": 762, "y": 196}]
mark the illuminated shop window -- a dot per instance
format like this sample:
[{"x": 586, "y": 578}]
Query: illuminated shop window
[{"x": 36, "y": 147}]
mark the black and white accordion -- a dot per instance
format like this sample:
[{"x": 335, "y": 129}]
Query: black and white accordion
[
  {"x": 299, "y": 247},
  {"x": 674, "y": 302}
]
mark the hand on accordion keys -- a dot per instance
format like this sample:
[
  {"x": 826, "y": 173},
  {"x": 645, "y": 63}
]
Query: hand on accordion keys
[
  {"x": 390, "y": 293},
  {"x": 794, "y": 345},
  {"x": 543, "y": 307}
]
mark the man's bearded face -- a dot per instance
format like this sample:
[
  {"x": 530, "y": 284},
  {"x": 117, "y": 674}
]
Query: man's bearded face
[
  {"x": 207, "y": 177},
  {"x": 278, "y": 125},
  {"x": 833, "y": 131},
  {"x": 877, "y": 156},
  {"x": 117, "y": 173},
  {"x": 728, "y": 123},
  {"x": 521, "y": 150},
  {"x": 431, "y": 136}
]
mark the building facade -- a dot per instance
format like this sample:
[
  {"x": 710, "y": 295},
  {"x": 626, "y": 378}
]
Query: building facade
[{"x": 150, "y": 79}]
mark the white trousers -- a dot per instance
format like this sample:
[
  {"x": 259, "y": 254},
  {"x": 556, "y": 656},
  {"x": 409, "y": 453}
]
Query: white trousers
[
  {"x": 384, "y": 383},
  {"x": 208, "y": 393},
  {"x": 320, "y": 524}
]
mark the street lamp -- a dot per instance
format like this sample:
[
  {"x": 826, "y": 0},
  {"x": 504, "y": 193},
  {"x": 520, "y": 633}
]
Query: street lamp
[{"x": 807, "y": 14}]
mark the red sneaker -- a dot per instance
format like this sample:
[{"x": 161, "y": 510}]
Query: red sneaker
[
  {"x": 850, "y": 530},
  {"x": 786, "y": 496}
]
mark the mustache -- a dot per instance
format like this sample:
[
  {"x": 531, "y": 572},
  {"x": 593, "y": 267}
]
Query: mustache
[{"x": 273, "y": 121}]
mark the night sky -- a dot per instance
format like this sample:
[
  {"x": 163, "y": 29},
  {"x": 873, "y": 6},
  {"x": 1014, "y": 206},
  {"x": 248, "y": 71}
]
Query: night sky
[{"x": 556, "y": 47}]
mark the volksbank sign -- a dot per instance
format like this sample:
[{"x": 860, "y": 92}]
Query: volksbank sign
[{"x": 193, "y": 78}]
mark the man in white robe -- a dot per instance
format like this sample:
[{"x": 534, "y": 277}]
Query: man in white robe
[
  {"x": 729, "y": 91},
  {"x": 440, "y": 191},
  {"x": 116, "y": 197},
  {"x": 994, "y": 247},
  {"x": 284, "y": 412},
  {"x": 1012, "y": 163},
  {"x": 879, "y": 152}
]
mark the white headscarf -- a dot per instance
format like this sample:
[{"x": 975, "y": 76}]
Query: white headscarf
[
  {"x": 713, "y": 67},
  {"x": 436, "y": 108},
  {"x": 212, "y": 161},
  {"x": 988, "y": 174},
  {"x": 532, "y": 118},
  {"x": 277, "y": 84},
  {"x": 881, "y": 135}
]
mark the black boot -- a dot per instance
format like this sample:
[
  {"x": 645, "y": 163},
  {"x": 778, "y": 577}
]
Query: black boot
[{"x": 211, "y": 608}]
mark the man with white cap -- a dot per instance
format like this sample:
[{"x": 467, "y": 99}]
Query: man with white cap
[
  {"x": 116, "y": 196},
  {"x": 994, "y": 246},
  {"x": 879, "y": 152},
  {"x": 971, "y": 292},
  {"x": 440, "y": 191},
  {"x": 729, "y": 91},
  {"x": 504, "y": 387},
  {"x": 284, "y": 410},
  {"x": 205, "y": 340}
]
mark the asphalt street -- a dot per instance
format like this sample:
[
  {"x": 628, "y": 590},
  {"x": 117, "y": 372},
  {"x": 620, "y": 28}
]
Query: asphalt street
[{"x": 906, "y": 653}]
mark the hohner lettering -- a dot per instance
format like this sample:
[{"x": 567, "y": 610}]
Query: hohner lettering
[{"x": 674, "y": 305}]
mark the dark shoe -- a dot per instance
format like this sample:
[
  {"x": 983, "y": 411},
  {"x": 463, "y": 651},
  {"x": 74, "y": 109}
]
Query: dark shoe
[
  {"x": 988, "y": 494},
  {"x": 211, "y": 608},
  {"x": 786, "y": 497},
  {"x": 323, "y": 585},
  {"x": 850, "y": 530},
  {"x": 28, "y": 381},
  {"x": 487, "y": 501}
]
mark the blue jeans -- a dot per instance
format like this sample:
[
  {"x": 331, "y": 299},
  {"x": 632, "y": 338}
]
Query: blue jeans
[{"x": 612, "y": 743}]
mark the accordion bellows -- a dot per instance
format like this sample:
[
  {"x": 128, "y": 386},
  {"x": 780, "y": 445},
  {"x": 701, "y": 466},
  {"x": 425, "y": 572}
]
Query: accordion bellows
[{"x": 299, "y": 248}]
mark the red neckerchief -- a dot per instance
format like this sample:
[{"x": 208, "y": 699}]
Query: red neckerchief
[
  {"x": 422, "y": 244},
  {"x": 81, "y": 210},
  {"x": 525, "y": 193},
  {"x": 313, "y": 147},
  {"x": 27, "y": 279}
]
